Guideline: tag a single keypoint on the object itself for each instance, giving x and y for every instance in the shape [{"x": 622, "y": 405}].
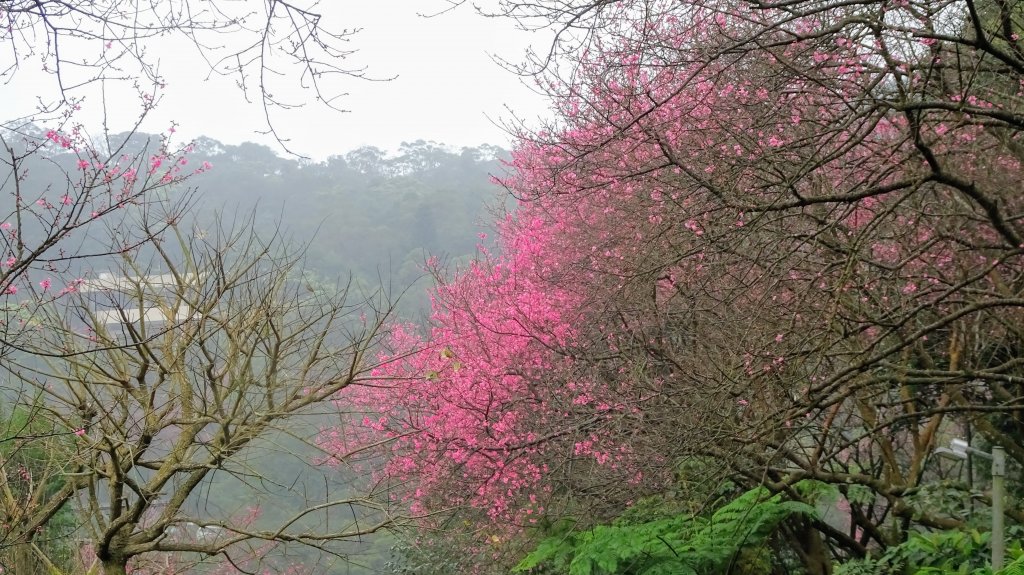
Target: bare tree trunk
[
  {"x": 24, "y": 560},
  {"x": 816, "y": 556},
  {"x": 115, "y": 566}
]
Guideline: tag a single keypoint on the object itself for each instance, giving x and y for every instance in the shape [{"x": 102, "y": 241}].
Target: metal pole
[{"x": 998, "y": 491}]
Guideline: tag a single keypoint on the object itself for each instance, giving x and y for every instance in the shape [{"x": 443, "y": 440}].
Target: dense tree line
[
  {"x": 366, "y": 212},
  {"x": 374, "y": 215}
]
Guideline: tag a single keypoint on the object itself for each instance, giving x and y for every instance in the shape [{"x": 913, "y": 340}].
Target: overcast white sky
[{"x": 447, "y": 87}]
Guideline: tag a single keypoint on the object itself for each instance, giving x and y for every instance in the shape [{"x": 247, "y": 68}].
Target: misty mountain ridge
[{"x": 367, "y": 214}]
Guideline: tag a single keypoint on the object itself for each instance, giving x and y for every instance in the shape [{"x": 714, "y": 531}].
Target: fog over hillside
[{"x": 367, "y": 214}]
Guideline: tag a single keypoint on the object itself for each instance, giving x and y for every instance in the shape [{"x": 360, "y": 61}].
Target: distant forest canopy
[{"x": 372, "y": 214}]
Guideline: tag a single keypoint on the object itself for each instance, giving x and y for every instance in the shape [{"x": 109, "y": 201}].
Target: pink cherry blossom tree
[{"x": 783, "y": 238}]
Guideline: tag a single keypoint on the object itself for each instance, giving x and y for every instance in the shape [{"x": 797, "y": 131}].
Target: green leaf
[{"x": 680, "y": 544}]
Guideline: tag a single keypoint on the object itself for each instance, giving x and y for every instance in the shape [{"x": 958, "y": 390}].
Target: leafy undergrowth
[{"x": 678, "y": 545}]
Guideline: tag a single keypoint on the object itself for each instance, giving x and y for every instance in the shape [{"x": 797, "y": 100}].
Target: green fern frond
[
  {"x": 1014, "y": 568},
  {"x": 679, "y": 545}
]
